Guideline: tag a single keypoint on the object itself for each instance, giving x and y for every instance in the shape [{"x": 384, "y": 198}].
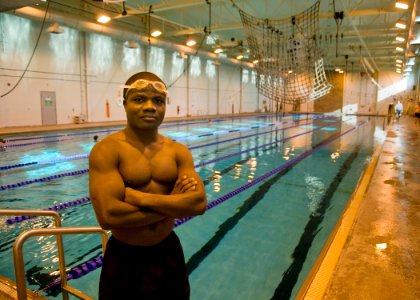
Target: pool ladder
[{"x": 58, "y": 231}]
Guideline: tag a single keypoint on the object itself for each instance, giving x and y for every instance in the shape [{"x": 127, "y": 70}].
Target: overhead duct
[{"x": 9, "y": 5}]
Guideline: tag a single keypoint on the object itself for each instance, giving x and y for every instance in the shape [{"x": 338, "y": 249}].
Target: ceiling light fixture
[
  {"x": 132, "y": 45},
  {"x": 182, "y": 55},
  {"x": 401, "y": 24},
  {"x": 399, "y": 61},
  {"x": 240, "y": 56},
  {"x": 55, "y": 28},
  {"x": 103, "y": 19},
  {"x": 218, "y": 50},
  {"x": 156, "y": 33},
  {"x": 401, "y": 4},
  {"x": 255, "y": 62},
  {"x": 400, "y": 38},
  {"x": 191, "y": 42},
  {"x": 399, "y": 49}
]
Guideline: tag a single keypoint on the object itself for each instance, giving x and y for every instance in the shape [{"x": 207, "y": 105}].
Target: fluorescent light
[
  {"x": 381, "y": 246},
  {"x": 399, "y": 61},
  {"x": 255, "y": 62},
  {"x": 156, "y": 33},
  {"x": 240, "y": 56},
  {"x": 398, "y": 65},
  {"x": 218, "y": 50},
  {"x": 191, "y": 43},
  {"x": 401, "y": 24},
  {"x": 103, "y": 19},
  {"x": 401, "y": 4},
  {"x": 400, "y": 38},
  {"x": 399, "y": 49}
]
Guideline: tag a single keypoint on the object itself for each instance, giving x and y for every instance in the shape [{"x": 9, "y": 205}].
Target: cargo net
[{"x": 290, "y": 68}]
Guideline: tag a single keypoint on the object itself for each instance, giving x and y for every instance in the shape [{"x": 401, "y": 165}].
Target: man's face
[{"x": 145, "y": 107}]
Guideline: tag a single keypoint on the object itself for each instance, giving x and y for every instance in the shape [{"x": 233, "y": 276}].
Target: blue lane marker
[
  {"x": 329, "y": 128},
  {"x": 309, "y": 126}
]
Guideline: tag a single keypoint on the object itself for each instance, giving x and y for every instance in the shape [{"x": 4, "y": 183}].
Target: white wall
[
  {"x": 363, "y": 96},
  {"x": 87, "y": 70},
  {"x": 360, "y": 94},
  {"x": 54, "y": 67}
]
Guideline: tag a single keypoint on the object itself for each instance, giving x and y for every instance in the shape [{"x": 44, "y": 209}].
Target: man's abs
[{"x": 145, "y": 235}]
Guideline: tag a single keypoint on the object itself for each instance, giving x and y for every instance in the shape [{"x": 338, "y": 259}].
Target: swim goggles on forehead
[{"x": 143, "y": 83}]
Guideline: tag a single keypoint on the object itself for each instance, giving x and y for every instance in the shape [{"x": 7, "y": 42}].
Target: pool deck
[
  {"x": 5, "y": 131},
  {"x": 380, "y": 256}
]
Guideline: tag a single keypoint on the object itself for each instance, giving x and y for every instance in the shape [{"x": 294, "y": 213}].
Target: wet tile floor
[{"x": 381, "y": 258}]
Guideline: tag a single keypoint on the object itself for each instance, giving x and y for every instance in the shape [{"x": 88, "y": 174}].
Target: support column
[
  {"x": 188, "y": 85},
  {"x": 240, "y": 89},
  {"x": 84, "y": 103}
]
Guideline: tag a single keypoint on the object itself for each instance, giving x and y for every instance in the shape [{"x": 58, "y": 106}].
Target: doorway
[{"x": 48, "y": 108}]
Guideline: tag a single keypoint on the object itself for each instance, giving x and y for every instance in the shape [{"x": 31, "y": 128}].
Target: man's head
[
  {"x": 141, "y": 80},
  {"x": 145, "y": 101}
]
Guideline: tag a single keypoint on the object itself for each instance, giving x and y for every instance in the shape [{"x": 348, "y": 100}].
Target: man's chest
[{"x": 142, "y": 168}]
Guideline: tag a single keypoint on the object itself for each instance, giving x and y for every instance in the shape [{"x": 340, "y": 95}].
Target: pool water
[{"x": 276, "y": 187}]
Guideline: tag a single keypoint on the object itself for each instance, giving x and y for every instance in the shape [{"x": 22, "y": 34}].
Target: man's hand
[{"x": 184, "y": 185}]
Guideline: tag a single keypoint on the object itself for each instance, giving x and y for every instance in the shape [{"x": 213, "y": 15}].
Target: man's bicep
[
  {"x": 186, "y": 167},
  {"x": 185, "y": 162},
  {"x": 105, "y": 182}
]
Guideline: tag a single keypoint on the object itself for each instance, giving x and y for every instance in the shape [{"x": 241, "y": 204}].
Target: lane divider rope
[
  {"x": 83, "y": 269},
  {"x": 78, "y": 172}
]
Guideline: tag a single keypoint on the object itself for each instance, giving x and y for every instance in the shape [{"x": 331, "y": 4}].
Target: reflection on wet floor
[{"x": 381, "y": 259}]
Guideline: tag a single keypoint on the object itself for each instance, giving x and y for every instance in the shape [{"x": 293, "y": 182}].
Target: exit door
[{"x": 48, "y": 108}]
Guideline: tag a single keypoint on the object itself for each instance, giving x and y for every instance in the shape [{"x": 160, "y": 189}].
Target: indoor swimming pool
[{"x": 276, "y": 187}]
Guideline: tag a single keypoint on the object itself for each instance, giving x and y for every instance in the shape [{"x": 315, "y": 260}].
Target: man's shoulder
[
  {"x": 173, "y": 143},
  {"x": 109, "y": 143}
]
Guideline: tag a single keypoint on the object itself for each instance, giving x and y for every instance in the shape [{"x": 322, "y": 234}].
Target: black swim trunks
[{"x": 155, "y": 272}]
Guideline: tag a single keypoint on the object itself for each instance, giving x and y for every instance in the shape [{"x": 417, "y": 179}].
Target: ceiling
[{"x": 366, "y": 28}]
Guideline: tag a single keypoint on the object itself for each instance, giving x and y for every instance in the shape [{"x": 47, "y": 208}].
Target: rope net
[{"x": 290, "y": 68}]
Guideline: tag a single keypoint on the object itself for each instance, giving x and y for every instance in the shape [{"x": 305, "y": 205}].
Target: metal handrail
[
  {"x": 45, "y": 213},
  {"x": 18, "y": 256},
  {"x": 18, "y": 245}
]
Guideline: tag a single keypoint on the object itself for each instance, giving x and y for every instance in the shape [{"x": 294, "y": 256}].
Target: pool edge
[{"x": 317, "y": 281}]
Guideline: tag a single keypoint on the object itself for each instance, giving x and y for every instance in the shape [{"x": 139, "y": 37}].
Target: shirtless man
[{"x": 140, "y": 181}]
